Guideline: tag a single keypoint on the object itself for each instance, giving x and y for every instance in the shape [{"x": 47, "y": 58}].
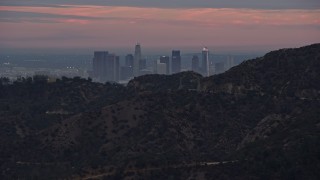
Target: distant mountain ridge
[{"x": 258, "y": 120}]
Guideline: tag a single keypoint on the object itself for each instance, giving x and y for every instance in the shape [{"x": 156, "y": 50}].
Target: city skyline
[
  {"x": 109, "y": 24},
  {"x": 107, "y": 67}
]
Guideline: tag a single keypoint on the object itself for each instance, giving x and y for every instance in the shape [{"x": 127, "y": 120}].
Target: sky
[{"x": 222, "y": 25}]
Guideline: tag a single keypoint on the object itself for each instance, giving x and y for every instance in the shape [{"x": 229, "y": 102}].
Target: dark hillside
[
  {"x": 184, "y": 80},
  {"x": 286, "y": 72},
  {"x": 259, "y": 120}
]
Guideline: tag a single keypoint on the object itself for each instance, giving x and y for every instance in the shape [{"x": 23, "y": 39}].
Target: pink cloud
[
  {"x": 201, "y": 16},
  {"x": 123, "y": 25}
]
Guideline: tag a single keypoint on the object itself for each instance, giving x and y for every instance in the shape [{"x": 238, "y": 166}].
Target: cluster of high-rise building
[{"x": 106, "y": 66}]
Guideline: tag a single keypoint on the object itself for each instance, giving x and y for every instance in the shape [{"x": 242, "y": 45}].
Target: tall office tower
[
  {"x": 160, "y": 67},
  {"x": 128, "y": 65},
  {"x": 195, "y": 63},
  {"x": 175, "y": 62},
  {"x": 112, "y": 68},
  {"x": 129, "y": 60},
  {"x": 99, "y": 64},
  {"x": 137, "y": 58},
  {"x": 165, "y": 59},
  {"x": 205, "y": 62},
  {"x": 117, "y": 69}
]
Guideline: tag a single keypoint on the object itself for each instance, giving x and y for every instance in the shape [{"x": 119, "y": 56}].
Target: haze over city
[{"x": 224, "y": 26}]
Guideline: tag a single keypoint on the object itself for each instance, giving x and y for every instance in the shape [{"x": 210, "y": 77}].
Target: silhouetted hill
[
  {"x": 155, "y": 82},
  {"x": 259, "y": 120},
  {"x": 286, "y": 72}
]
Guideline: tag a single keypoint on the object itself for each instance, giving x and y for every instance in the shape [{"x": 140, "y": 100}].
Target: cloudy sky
[{"x": 103, "y": 24}]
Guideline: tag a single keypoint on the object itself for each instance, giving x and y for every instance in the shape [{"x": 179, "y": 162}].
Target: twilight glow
[{"x": 96, "y": 26}]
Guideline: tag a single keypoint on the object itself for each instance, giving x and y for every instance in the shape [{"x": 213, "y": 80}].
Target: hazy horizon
[{"x": 152, "y": 50}]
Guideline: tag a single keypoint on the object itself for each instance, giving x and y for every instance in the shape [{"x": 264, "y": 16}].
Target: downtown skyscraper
[
  {"x": 129, "y": 60},
  {"x": 106, "y": 66},
  {"x": 99, "y": 59},
  {"x": 166, "y": 60},
  {"x": 175, "y": 62},
  {"x": 112, "y": 67},
  {"x": 195, "y": 64},
  {"x": 205, "y": 62},
  {"x": 136, "y": 61}
]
